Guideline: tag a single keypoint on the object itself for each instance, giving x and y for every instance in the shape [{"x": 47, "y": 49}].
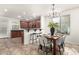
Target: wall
[
  {"x": 10, "y": 23},
  {"x": 44, "y": 24},
  {"x": 74, "y": 23}
]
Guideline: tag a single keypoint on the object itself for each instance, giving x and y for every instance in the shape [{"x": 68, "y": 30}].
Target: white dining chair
[{"x": 60, "y": 43}]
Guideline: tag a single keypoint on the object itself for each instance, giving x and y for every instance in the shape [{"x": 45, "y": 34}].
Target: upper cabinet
[
  {"x": 24, "y": 24},
  {"x": 35, "y": 23}
]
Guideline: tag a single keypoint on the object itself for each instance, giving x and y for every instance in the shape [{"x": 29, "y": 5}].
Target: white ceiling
[{"x": 28, "y": 10}]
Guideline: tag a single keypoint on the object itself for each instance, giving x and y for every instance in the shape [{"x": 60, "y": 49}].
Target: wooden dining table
[{"x": 53, "y": 39}]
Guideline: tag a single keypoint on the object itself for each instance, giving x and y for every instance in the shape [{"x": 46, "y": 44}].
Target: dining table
[{"x": 53, "y": 39}]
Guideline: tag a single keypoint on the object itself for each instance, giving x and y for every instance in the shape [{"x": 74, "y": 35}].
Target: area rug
[{"x": 70, "y": 51}]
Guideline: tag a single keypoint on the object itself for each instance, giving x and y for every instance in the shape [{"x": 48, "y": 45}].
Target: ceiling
[{"x": 29, "y": 10}]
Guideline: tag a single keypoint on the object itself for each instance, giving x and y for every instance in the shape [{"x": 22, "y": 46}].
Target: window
[
  {"x": 3, "y": 26},
  {"x": 57, "y": 20},
  {"x": 65, "y": 24}
]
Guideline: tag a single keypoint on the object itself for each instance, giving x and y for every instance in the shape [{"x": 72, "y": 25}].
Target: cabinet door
[
  {"x": 24, "y": 24},
  {"x": 38, "y": 24},
  {"x": 14, "y": 34},
  {"x": 30, "y": 24}
]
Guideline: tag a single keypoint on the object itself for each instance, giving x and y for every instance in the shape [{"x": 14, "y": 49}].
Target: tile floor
[{"x": 14, "y": 47}]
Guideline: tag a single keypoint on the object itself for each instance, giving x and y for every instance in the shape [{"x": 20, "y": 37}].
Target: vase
[{"x": 52, "y": 30}]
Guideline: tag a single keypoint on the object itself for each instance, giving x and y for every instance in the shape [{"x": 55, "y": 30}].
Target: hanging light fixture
[
  {"x": 53, "y": 13},
  {"x": 53, "y": 10}
]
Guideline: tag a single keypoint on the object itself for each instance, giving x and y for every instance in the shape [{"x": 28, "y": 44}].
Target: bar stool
[{"x": 33, "y": 37}]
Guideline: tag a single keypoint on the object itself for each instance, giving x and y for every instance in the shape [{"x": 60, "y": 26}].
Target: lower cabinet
[{"x": 18, "y": 33}]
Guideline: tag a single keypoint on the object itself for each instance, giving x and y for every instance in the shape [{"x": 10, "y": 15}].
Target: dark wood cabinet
[
  {"x": 30, "y": 24},
  {"x": 18, "y": 33},
  {"x": 37, "y": 24},
  {"x": 24, "y": 24}
]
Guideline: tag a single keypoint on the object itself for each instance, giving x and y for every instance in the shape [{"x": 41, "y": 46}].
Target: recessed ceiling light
[{"x": 5, "y": 10}]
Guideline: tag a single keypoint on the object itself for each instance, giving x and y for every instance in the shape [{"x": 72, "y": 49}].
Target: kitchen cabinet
[{"x": 18, "y": 33}]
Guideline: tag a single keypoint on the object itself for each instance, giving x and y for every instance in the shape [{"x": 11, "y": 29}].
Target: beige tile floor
[{"x": 14, "y": 47}]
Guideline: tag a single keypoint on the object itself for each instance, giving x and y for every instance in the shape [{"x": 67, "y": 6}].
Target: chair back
[
  {"x": 61, "y": 40},
  {"x": 44, "y": 41}
]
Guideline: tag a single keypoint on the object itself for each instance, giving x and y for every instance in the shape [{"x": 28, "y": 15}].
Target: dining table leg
[{"x": 54, "y": 47}]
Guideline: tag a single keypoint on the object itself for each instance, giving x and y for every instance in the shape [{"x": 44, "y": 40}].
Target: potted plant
[{"x": 52, "y": 27}]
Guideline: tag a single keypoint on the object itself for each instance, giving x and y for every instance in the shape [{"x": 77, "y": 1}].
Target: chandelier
[{"x": 53, "y": 12}]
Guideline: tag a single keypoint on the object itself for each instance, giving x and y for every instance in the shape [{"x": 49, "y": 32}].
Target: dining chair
[
  {"x": 60, "y": 43},
  {"x": 45, "y": 45}
]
